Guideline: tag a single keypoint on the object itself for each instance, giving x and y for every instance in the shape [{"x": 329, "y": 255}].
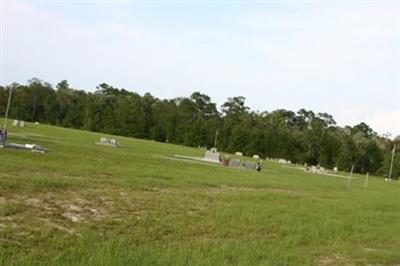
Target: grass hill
[{"x": 85, "y": 204}]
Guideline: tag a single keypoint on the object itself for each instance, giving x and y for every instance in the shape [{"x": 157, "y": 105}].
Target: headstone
[
  {"x": 22, "y": 123},
  {"x": 256, "y": 156},
  {"x": 250, "y": 165},
  {"x": 335, "y": 169},
  {"x": 282, "y": 161},
  {"x": 212, "y": 155},
  {"x": 234, "y": 163},
  {"x": 107, "y": 141},
  {"x": 238, "y": 153},
  {"x": 314, "y": 169},
  {"x": 15, "y": 123}
]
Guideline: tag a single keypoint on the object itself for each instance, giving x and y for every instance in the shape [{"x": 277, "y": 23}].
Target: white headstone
[
  {"x": 256, "y": 156},
  {"x": 15, "y": 123},
  {"x": 22, "y": 123},
  {"x": 238, "y": 153},
  {"x": 282, "y": 161},
  {"x": 212, "y": 155}
]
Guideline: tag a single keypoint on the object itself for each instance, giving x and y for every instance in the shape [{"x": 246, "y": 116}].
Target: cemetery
[
  {"x": 83, "y": 205},
  {"x": 199, "y": 133},
  {"x": 77, "y": 200}
]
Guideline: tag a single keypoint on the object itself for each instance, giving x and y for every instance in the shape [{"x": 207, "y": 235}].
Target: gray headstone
[
  {"x": 234, "y": 163},
  {"x": 250, "y": 165}
]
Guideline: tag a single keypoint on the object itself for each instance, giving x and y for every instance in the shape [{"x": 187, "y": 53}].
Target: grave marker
[
  {"x": 109, "y": 142},
  {"x": 212, "y": 155},
  {"x": 250, "y": 165}
]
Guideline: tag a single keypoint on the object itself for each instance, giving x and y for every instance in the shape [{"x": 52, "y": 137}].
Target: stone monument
[{"x": 212, "y": 155}]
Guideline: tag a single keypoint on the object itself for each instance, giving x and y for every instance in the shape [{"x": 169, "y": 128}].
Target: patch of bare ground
[
  {"x": 78, "y": 207},
  {"x": 57, "y": 211},
  {"x": 70, "y": 207}
]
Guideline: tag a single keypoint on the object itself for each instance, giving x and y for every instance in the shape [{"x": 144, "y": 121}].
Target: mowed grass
[{"x": 85, "y": 204}]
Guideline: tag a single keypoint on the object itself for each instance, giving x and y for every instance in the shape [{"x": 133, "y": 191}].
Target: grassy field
[{"x": 85, "y": 204}]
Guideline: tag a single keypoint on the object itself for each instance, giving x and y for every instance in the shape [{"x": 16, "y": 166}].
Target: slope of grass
[{"x": 84, "y": 204}]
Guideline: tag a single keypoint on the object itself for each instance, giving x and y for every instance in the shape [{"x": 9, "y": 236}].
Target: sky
[{"x": 339, "y": 57}]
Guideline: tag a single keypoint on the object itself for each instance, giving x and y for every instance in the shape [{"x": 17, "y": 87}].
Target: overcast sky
[{"x": 337, "y": 57}]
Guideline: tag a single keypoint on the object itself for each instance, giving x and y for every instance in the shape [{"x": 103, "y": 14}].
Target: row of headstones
[
  {"x": 318, "y": 169},
  {"x": 18, "y": 123},
  {"x": 314, "y": 169},
  {"x": 250, "y": 165},
  {"x": 279, "y": 160}
]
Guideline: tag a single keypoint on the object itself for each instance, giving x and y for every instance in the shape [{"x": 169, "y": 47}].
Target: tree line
[{"x": 302, "y": 136}]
